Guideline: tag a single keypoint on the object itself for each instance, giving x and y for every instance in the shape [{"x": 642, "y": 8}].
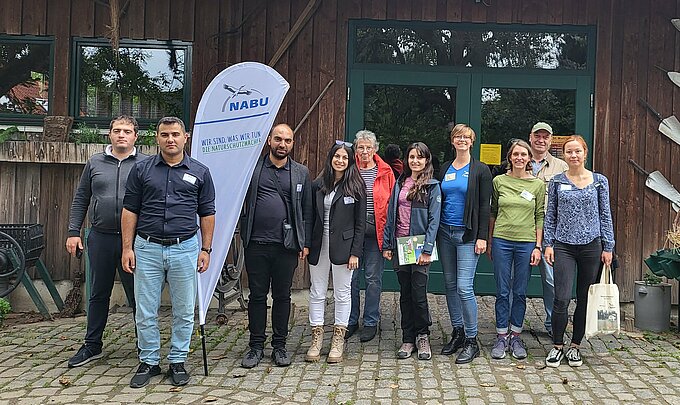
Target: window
[
  {"x": 25, "y": 71},
  {"x": 148, "y": 80},
  {"x": 471, "y": 46}
]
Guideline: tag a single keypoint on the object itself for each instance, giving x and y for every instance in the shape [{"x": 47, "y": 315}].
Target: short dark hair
[
  {"x": 125, "y": 118},
  {"x": 392, "y": 152},
  {"x": 170, "y": 121}
]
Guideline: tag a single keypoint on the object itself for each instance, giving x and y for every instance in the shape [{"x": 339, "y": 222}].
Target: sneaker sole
[
  {"x": 312, "y": 359},
  {"x": 404, "y": 355},
  {"x": 334, "y": 360},
  {"x": 576, "y": 363},
  {"x": 553, "y": 364},
  {"x": 424, "y": 356},
  {"x": 89, "y": 359},
  {"x": 497, "y": 357},
  {"x": 519, "y": 357},
  {"x": 145, "y": 383}
]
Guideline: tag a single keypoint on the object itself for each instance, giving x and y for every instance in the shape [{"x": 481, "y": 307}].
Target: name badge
[
  {"x": 189, "y": 178},
  {"x": 450, "y": 177},
  {"x": 298, "y": 188},
  {"x": 526, "y": 195},
  {"x": 349, "y": 200},
  {"x": 565, "y": 187}
]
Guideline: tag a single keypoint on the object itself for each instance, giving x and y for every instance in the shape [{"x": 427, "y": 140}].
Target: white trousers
[{"x": 342, "y": 283}]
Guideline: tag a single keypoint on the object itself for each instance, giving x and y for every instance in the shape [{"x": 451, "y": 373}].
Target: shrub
[{"x": 5, "y": 309}]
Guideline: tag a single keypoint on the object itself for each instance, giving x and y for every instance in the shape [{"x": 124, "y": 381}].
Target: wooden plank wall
[{"x": 632, "y": 37}]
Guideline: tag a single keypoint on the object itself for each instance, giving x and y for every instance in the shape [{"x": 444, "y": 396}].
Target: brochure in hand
[{"x": 410, "y": 247}]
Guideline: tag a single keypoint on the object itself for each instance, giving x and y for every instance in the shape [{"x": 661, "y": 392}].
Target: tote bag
[{"x": 602, "y": 314}]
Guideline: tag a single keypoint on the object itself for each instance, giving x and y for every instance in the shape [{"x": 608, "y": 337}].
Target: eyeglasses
[
  {"x": 347, "y": 144},
  {"x": 461, "y": 137},
  {"x": 365, "y": 148}
]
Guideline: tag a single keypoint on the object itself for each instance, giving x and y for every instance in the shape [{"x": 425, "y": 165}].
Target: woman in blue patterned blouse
[{"x": 578, "y": 238}]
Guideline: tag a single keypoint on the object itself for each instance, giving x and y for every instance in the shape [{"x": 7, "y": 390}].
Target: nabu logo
[{"x": 237, "y": 100}]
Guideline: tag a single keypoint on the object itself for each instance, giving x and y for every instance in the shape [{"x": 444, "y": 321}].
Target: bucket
[{"x": 652, "y": 306}]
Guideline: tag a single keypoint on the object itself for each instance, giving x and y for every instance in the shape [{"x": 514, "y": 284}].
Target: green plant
[
  {"x": 86, "y": 134},
  {"x": 7, "y": 133},
  {"x": 148, "y": 137},
  {"x": 651, "y": 278},
  {"x": 5, "y": 309}
]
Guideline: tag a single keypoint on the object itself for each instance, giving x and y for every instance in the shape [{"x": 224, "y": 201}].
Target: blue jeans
[
  {"x": 371, "y": 266},
  {"x": 156, "y": 264},
  {"x": 507, "y": 254},
  {"x": 459, "y": 263},
  {"x": 548, "y": 281}
]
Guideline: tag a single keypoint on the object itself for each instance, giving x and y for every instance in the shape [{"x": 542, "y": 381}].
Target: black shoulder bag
[{"x": 288, "y": 231}]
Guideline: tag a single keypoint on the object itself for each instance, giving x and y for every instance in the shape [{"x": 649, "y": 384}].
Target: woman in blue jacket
[{"x": 414, "y": 210}]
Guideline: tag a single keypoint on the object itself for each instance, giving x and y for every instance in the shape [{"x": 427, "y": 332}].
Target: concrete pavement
[{"x": 633, "y": 368}]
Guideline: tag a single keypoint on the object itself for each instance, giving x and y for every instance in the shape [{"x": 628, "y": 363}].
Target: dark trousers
[
  {"x": 415, "y": 313},
  {"x": 269, "y": 265},
  {"x": 583, "y": 261},
  {"x": 104, "y": 251}
]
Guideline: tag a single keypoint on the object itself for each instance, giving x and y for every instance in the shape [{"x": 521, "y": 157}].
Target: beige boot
[
  {"x": 314, "y": 352},
  {"x": 337, "y": 344}
]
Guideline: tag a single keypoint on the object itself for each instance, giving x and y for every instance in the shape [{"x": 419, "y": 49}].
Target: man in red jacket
[{"x": 379, "y": 182}]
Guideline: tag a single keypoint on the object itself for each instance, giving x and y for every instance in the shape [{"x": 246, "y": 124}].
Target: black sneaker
[
  {"x": 144, "y": 374},
  {"x": 85, "y": 355},
  {"x": 368, "y": 333},
  {"x": 554, "y": 358},
  {"x": 178, "y": 375},
  {"x": 252, "y": 358},
  {"x": 457, "y": 341},
  {"x": 469, "y": 352},
  {"x": 351, "y": 330},
  {"x": 573, "y": 356},
  {"x": 281, "y": 357}
]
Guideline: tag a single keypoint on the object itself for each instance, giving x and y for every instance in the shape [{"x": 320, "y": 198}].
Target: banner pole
[{"x": 205, "y": 354}]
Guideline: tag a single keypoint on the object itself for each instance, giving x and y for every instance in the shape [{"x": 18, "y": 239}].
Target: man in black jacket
[
  {"x": 276, "y": 229},
  {"x": 101, "y": 191}
]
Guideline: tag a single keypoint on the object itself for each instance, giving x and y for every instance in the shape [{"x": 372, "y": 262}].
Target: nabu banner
[{"x": 233, "y": 120}]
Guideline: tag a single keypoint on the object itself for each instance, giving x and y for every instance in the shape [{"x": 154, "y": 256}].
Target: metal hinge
[
  {"x": 347, "y": 93},
  {"x": 592, "y": 100}
]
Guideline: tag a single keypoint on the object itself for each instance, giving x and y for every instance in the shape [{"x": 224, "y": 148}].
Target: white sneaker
[
  {"x": 555, "y": 357},
  {"x": 573, "y": 355}
]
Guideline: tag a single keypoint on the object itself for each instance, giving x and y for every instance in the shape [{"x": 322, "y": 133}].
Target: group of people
[{"x": 345, "y": 223}]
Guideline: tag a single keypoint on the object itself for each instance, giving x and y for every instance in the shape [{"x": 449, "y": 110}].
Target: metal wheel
[{"x": 12, "y": 264}]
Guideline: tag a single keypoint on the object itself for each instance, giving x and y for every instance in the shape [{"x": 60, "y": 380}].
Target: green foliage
[
  {"x": 5, "y": 309},
  {"x": 7, "y": 133},
  {"x": 147, "y": 137},
  {"x": 86, "y": 134},
  {"x": 651, "y": 279}
]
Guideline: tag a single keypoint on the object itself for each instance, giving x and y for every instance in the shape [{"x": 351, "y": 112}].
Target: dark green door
[{"x": 403, "y": 107}]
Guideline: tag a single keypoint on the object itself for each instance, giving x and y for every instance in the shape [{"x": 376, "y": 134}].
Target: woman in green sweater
[{"x": 516, "y": 225}]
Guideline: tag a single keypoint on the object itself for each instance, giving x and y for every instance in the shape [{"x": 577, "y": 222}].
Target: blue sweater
[{"x": 578, "y": 216}]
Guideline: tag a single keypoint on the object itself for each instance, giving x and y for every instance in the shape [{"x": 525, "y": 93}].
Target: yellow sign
[{"x": 490, "y": 153}]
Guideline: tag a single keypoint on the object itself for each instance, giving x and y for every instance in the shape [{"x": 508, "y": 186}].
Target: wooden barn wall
[{"x": 633, "y": 36}]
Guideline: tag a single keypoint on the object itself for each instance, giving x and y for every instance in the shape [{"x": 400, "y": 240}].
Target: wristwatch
[{"x": 207, "y": 250}]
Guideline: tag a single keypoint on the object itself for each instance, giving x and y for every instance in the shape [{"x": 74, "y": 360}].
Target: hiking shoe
[
  {"x": 252, "y": 358},
  {"x": 469, "y": 352},
  {"x": 500, "y": 347},
  {"x": 554, "y": 357},
  {"x": 573, "y": 356},
  {"x": 368, "y": 333},
  {"x": 280, "y": 357},
  {"x": 85, "y": 355},
  {"x": 144, "y": 374},
  {"x": 351, "y": 329},
  {"x": 178, "y": 375},
  {"x": 423, "y": 345},
  {"x": 517, "y": 347},
  {"x": 405, "y": 350},
  {"x": 457, "y": 341},
  {"x": 314, "y": 352}
]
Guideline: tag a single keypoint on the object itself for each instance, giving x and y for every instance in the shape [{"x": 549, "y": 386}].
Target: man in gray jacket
[
  {"x": 101, "y": 191},
  {"x": 276, "y": 229}
]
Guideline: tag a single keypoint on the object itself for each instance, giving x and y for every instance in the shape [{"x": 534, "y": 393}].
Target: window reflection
[
  {"x": 24, "y": 77},
  {"x": 494, "y": 49},
  {"x": 145, "y": 83}
]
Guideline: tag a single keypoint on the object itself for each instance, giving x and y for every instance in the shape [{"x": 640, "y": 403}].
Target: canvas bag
[{"x": 603, "y": 313}]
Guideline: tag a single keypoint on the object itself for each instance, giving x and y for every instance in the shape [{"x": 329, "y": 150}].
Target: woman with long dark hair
[
  {"x": 337, "y": 244},
  {"x": 413, "y": 210},
  {"x": 516, "y": 225},
  {"x": 579, "y": 237}
]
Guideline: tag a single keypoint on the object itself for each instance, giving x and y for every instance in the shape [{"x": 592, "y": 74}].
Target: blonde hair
[{"x": 462, "y": 129}]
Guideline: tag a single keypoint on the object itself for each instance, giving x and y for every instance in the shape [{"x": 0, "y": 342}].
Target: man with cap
[{"x": 545, "y": 166}]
